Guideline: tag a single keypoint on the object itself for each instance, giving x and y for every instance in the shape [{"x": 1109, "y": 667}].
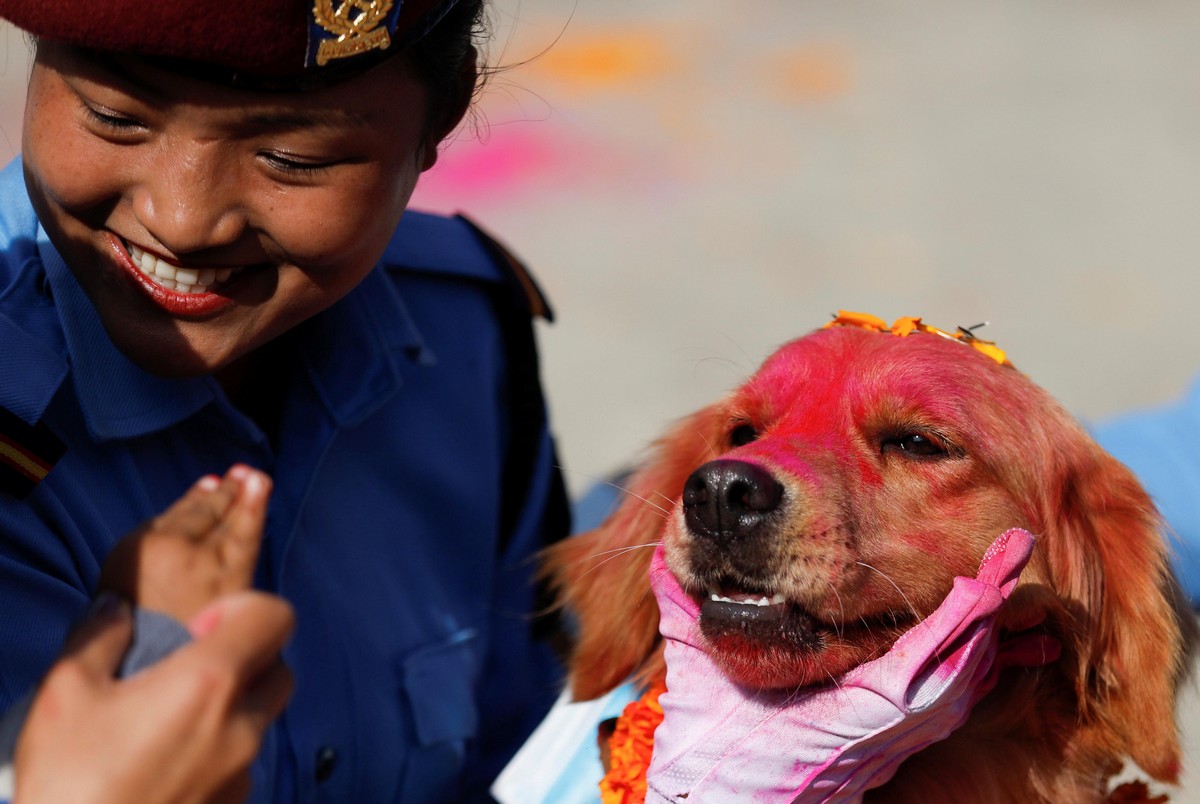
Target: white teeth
[
  {"x": 180, "y": 280},
  {"x": 187, "y": 276},
  {"x": 748, "y": 600}
]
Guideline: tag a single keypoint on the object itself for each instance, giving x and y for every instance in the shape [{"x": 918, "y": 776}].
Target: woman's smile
[{"x": 178, "y": 289}]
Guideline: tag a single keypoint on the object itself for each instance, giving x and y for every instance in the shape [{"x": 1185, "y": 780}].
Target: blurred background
[{"x": 695, "y": 182}]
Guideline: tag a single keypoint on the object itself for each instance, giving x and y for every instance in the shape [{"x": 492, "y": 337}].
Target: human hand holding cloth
[{"x": 722, "y": 742}]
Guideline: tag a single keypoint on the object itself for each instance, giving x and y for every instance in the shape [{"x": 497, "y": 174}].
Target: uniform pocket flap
[{"x": 440, "y": 684}]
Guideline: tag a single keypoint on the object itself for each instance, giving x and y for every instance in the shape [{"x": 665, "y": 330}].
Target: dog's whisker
[
  {"x": 837, "y": 624},
  {"x": 833, "y": 680},
  {"x": 908, "y": 603},
  {"x": 667, "y": 499},
  {"x": 666, "y": 512},
  {"x": 618, "y": 553},
  {"x": 712, "y": 449},
  {"x": 842, "y": 691},
  {"x": 623, "y": 489},
  {"x": 626, "y": 548},
  {"x": 794, "y": 695},
  {"x": 647, "y": 594}
]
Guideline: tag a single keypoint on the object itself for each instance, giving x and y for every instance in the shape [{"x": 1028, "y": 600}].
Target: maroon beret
[{"x": 268, "y": 39}]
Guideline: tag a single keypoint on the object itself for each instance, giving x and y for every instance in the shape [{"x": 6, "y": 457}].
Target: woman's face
[{"x": 203, "y": 221}]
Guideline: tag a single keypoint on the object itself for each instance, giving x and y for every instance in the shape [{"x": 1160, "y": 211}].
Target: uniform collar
[
  {"x": 118, "y": 399},
  {"x": 31, "y": 364},
  {"x": 352, "y": 353}
]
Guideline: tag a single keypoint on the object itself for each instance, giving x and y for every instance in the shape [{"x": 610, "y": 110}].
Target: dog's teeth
[{"x": 748, "y": 600}]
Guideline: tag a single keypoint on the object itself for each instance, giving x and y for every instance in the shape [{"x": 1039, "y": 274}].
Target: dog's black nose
[{"x": 727, "y": 499}]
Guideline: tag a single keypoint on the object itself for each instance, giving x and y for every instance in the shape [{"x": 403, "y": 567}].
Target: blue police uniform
[{"x": 414, "y": 477}]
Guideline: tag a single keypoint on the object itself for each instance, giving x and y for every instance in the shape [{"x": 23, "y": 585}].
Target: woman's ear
[{"x": 453, "y": 111}]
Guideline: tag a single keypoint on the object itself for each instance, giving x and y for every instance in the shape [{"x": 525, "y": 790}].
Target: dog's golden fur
[{"x": 900, "y": 459}]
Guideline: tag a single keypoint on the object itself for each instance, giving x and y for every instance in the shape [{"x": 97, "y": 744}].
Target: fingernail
[
  {"x": 253, "y": 484},
  {"x": 209, "y": 482}
]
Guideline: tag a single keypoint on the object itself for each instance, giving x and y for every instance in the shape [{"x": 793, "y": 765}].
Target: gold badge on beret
[{"x": 354, "y": 26}]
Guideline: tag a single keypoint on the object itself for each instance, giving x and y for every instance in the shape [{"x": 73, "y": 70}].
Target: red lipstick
[{"x": 187, "y": 305}]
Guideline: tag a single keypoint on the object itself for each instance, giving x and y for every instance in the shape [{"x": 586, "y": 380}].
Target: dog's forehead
[{"x": 850, "y": 364}]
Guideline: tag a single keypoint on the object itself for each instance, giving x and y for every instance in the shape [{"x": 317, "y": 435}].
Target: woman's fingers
[
  {"x": 200, "y": 509},
  {"x": 238, "y": 534},
  {"x": 203, "y": 546},
  {"x": 185, "y": 729}
]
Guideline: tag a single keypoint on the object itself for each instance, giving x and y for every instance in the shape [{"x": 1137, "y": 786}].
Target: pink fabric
[{"x": 719, "y": 742}]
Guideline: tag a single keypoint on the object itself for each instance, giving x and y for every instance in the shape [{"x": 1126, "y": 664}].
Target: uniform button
[{"x": 326, "y": 760}]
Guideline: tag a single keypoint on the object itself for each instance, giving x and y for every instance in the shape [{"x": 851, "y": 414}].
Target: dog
[{"x": 825, "y": 507}]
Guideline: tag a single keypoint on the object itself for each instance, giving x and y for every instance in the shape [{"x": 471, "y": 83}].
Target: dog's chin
[{"x": 782, "y": 647}]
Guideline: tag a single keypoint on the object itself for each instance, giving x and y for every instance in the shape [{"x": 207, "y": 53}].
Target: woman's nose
[{"x": 189, "y": 200}]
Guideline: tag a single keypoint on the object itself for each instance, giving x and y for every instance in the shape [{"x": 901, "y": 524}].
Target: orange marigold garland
[{"x": 631, "y": 745}]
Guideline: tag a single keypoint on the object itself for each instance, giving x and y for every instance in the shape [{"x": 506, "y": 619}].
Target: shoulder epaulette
[
  {"x": 27, "y": 454},
  {"x": 517, "y": 272}
]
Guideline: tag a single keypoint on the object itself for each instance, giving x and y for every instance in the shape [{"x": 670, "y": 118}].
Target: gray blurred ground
[{"x": 696, "y": 182}]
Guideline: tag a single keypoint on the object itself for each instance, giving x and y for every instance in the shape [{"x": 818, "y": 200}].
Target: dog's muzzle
[{"x": 729, "y": 500}]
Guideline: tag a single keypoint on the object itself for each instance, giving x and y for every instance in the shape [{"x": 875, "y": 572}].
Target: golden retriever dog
[{"x": 847, "y": 483}]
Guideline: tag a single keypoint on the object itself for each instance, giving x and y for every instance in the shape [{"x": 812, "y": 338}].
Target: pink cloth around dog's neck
[{"x": 720, "y": 742}]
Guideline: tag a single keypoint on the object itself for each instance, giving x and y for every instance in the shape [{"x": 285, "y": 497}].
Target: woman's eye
[
  {"x": 916, "y": 445},
  {"x": 742, "y": 435},
  {"x": 290, "y": 163},
  {"x": 112, "y": 120}
]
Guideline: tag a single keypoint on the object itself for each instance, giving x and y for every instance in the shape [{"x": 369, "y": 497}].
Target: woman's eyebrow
[{"x": 308, "y": 118}]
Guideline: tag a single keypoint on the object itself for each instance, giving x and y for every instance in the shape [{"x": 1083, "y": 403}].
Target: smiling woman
[
  {"x": 206, "y": 260},
  {"x": 291, "y": 200}
]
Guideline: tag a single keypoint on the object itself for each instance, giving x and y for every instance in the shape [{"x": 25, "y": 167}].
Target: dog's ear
[
  {"x": 602, "y": 577},
  {"x": 1110, "y": 562}
]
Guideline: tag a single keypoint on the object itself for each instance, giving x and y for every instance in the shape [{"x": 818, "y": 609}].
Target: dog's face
[
  {"x": 855, "y": 476},
  {"x": 826, "y": 506}
]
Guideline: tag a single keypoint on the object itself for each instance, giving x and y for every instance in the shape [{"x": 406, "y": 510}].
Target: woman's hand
[
  {"x": 720, "y": 742},
  {"x": 184, "y": 730},
  {"x": 202, "y": 547}
]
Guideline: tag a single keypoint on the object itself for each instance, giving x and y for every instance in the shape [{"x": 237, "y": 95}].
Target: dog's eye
[
  {"x": 742, "y": 435},
  {"x": 917, "y": 445}
]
